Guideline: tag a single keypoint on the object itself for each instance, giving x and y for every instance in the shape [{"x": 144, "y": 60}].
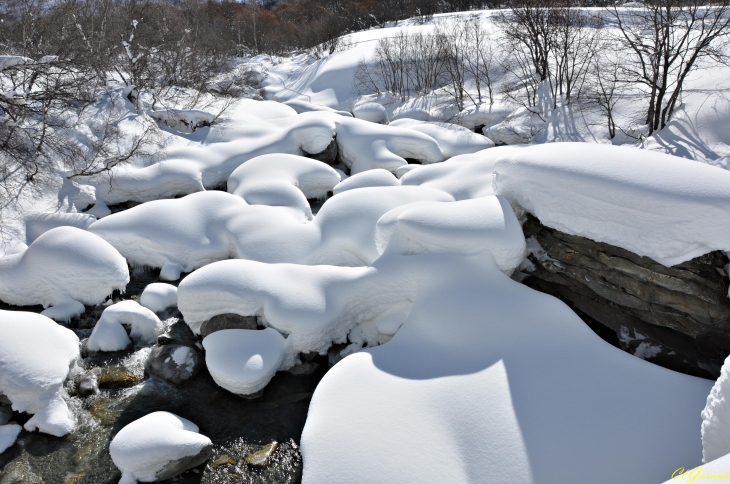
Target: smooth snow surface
[
  {"x": 453, "y": 139},
  {"x": 490, "y": 381},
  {"x": 158, "y": 296},
  {"x": 243, "y": 361},
  {"x": 37, "y": 225},
  {"x": 373, "y": 112},
  {"x": 283, "y": 180},
  {"x": 142, "y": 449},
  {"x": 716, "y": 418},
  {"x": 205, "y": 227},
  {"x": 652, "y": 204},
  {"x": 109, "y": 333},
  {"x": 370, "y": 178},
  {"x": 35, "y": 356},
  {"x": 64, "y": 263},
  {"x": 8, "y": 434}
]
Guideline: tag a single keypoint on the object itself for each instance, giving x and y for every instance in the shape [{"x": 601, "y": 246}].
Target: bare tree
[{"x": 667, "y": 40}]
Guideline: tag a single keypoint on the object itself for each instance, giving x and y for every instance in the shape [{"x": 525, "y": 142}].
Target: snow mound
[
  {"x": 8, "y": 434},
  {"x": 37, "y": 225},
  {"x": 183, "y": 120},
  {"x": 501, "y": 382},
  {"x": 35, "y": 356},
  {"x": 243, "y": 361},
  {"x": 64, "y": 263},
  {"x": 453, "y": 139},
  {"x": 370, "y": 178},
  {"x": 304, "y": 107},
  {"x": 144, "y": 449},
  {"x": 158, "y": 296},
  {"x": 464, "y": 227},
  {"x": 201, "y": 228},
  {"x": 283, "y": 180},
  {"x": 716, "y": 418},
  {"x": 373, "y": 112},
  {"x": 463, "y": 176},
  {"x": 656, "y": 205},
  {"x": 109, "y": 333}
]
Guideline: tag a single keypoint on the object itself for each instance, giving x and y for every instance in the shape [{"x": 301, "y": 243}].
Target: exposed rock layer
[{"x": 677, "y": 317}]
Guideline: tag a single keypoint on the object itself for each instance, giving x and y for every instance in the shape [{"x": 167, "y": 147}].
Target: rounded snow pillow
[{"x": 373, "y": 112}]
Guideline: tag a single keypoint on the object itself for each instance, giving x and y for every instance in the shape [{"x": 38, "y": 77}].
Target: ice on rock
[
  {"x": 656, "y": 205},
  {"x": 243, "y": 361},
  {"x": 64, "y": 266},
  {"x": 453, "y": 139},
  {"x": 716, "y": 418},
  {"x": 464, "y": 227},
  {"x": 283, "y": 180},
  {"x": 35, "y": 356},
  {"x": 36, "y": 225},
  {"x": 370, "y": 111},
  {"x": 205, "y": 227},
  {"x": 158, "y": 296},
  {"x": 109, "y": 333},
  {"x": 371, "y": 178},
  {"x": 158, "y": 446},
  {"x": 8, "y": 434}
]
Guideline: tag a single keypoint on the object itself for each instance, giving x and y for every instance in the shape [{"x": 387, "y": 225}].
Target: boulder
[
  {"x": 227, "y": 321},
  {"x": 174, "y": 363}
]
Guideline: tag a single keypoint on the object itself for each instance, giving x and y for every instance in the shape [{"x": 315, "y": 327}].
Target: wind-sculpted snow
[
  {"x": 652, "y": 204},
  {"x": 109, "y": 333},
  {"x": 201, "y": 228},
  {"x": 35, "y": 356},
  {"x": 255, "y": 128},
  {"x": 157, "y": 445},
  {"x": 453, "y": 139},
  {"x": 319, "y": 305},
  {"x": 283, "y": 180},
  {"x": 490, "y": 381},
  {"x": 716, "y": 418},
  {"x": 63, "y": 266},
  {"x": 371, "y": 178}
]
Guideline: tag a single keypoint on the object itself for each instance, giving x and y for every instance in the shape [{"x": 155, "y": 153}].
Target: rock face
[
  {"x": 677, "y": 317},
  {"x": 227, "y": 321}
]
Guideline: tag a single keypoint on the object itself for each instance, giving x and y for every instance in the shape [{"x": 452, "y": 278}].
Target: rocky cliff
[{"x": 677, "y": 317}]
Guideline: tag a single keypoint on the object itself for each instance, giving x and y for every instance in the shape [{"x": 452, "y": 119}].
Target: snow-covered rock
[
  {"x": 716, "y": 418},
  {"x": 660, "y": 206},
  {"x": 463, "y": 176},
  {"x": 371, "y": 178},
  {"x": 369, "y": 111},
  {"x": 158, "y": 296},
  {"x": 158, "y": 446},
  {"x": 453, "y": 139},
  {"x": 304, "y": 107},
  {"x": 201, "y": 228},
  {"x": 63, "y": 264},
  {"x": 174, "y": 363},
  {"x": 36, "y": 225},
  {"x": 183, "y": 120},
  {"x": 35, "y": 357},
  {"x": 283, "y": 180},
  {"x": 243, "y": 361},
  {"x": 109, "y": 333}
]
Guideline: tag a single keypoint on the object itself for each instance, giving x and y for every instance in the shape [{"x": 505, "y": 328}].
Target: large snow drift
[
  {"x": 656, "y": 205},
  {"x": 201, "y": 228},
  {"x": 35, "y": 356},
  {"x": 149, "y": 448},
  {"x": 63, "y": 264}
]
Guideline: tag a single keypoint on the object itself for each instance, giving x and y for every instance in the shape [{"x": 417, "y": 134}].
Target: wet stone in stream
[{"x": 237, "y": 426}]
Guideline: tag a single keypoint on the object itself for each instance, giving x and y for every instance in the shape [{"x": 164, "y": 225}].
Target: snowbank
[
  {"x": 656, "y": 205},
  {"x": 304, "y": 107},
  {"x": 109, "y": 333},
  {"x": 716, "y": 418},
  {"x": 35, "y": 356},
  {"x": 373, "y": 112},
  {"x": 453, "y": 139},
  {"x": 463, "y": 176},
  {"x": 243, "y": 361},
  {"x": 158, "y": 296},
  {"x": 283, "y": 180},
  {"x": 64, "y": 264},
  {"x": 158, "y": 446},
  {"x": 370, "y": 178},
  {"x": 201, "y": 228}
]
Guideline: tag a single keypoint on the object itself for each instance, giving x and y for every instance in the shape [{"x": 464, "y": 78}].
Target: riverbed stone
[
  {"x": 227, "y": 321},
  {"x": 174, "y": 363}
]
